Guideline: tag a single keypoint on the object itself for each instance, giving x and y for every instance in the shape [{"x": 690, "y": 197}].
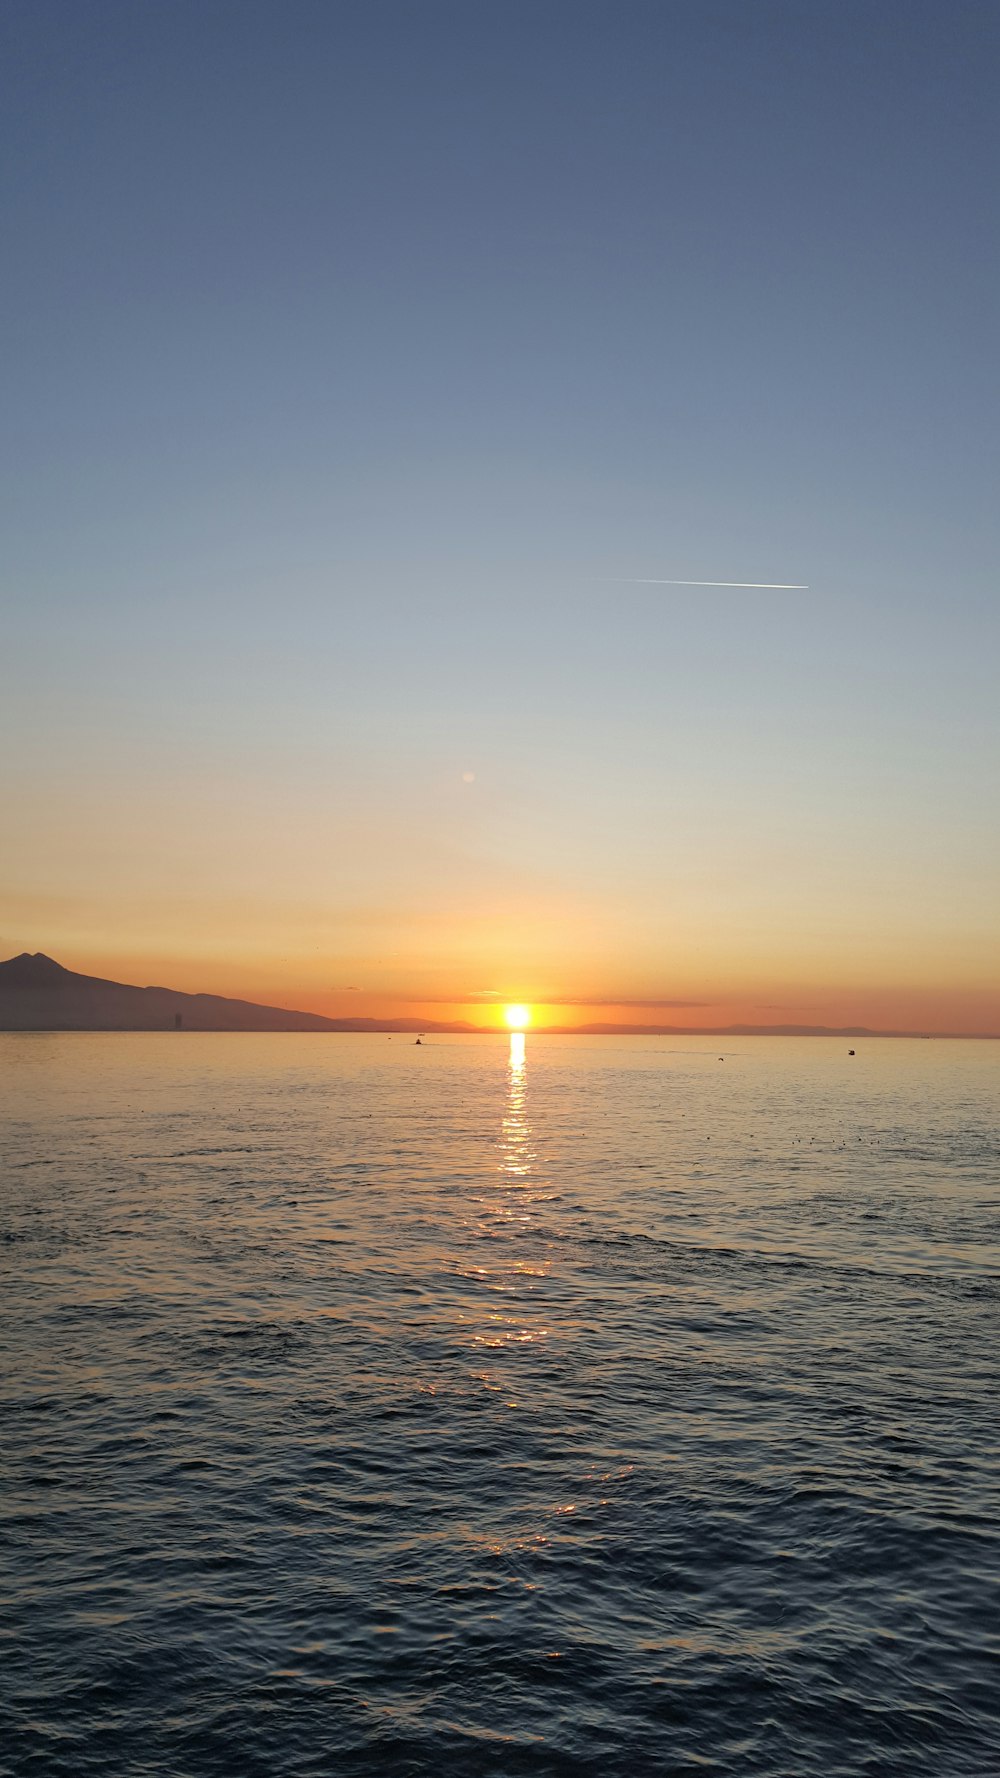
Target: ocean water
[{"x": 580, "y": 1406}]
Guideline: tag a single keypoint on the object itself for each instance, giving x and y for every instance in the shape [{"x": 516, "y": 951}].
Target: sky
[{"x": 366, "y": 366}]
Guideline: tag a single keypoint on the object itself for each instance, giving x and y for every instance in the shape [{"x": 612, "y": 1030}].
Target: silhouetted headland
[{"x": 38, "y": 994}]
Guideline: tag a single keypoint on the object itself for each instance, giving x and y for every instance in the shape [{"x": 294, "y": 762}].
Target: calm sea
[{"x": 585, "y": 1406}]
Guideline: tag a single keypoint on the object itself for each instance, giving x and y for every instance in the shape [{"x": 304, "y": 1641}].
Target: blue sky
[{"x": 356, "y": 357}]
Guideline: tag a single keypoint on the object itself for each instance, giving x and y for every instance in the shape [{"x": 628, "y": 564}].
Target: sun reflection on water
[
  {"x": 510, "y": 1316},
  {"x": 516, "y": 1155}
]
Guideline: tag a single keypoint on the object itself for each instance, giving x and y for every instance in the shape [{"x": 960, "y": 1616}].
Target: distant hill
[{"x": 38, "y": 994}]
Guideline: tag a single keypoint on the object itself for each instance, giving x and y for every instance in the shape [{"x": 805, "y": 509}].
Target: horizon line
[{"x": 323, "y": 1023}]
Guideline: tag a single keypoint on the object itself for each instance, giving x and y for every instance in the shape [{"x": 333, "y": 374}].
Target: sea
[{"x": 497, "y": 1406}]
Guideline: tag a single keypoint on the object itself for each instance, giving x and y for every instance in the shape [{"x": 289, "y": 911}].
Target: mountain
[{"x": 38, "y": 994}]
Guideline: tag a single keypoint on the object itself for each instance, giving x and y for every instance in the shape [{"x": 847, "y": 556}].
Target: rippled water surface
[{"x": 597, "y": 1406}]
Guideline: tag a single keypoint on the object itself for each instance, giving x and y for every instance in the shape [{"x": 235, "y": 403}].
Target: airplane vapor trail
[{"x": 760, "y": 586}]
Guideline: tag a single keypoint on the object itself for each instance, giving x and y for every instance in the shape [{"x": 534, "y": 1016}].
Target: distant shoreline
[
  {"x": 38, "y": 994},
  {"x": 490, "y": 1031}
]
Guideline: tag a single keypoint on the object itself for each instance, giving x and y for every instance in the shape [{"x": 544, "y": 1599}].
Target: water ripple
[{"x": 573, "y": 1409}]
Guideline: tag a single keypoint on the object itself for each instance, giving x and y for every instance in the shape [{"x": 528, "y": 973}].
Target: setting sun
[{"x": 517, "y": 1017}]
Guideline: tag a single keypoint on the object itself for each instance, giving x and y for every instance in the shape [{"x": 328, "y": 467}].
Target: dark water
[{"x": 610, "y": 1409}]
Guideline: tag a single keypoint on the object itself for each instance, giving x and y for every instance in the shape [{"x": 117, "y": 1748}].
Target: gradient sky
[{"x": 358, "y": 356}]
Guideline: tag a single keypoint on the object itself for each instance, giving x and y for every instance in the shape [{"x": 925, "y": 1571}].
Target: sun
[{"x": 517, "y": 1017}]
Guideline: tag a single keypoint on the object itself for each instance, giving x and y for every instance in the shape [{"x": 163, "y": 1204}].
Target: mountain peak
[{"x": 32, "y": 968}]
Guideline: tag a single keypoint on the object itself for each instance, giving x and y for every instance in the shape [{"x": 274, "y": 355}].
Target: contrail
[{"x": 757, "y": 586}]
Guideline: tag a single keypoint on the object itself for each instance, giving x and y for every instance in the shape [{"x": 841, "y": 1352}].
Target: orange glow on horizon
[{"x": 343, "y": 983}]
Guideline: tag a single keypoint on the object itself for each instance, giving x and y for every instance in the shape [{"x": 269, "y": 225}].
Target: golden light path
[{"x": 517, "y": 1017}]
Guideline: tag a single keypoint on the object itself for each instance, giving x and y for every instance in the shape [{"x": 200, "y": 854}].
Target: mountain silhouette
[{"x": 38, "y": 994}]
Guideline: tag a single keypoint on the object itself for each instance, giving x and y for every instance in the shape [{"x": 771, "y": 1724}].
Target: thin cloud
[
  {"x": 757, "y": 586},
  {"x": 456, "y": 999},
  {"x": 553, "y": 1000},
  {"x": 563, "y": 1000}
]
